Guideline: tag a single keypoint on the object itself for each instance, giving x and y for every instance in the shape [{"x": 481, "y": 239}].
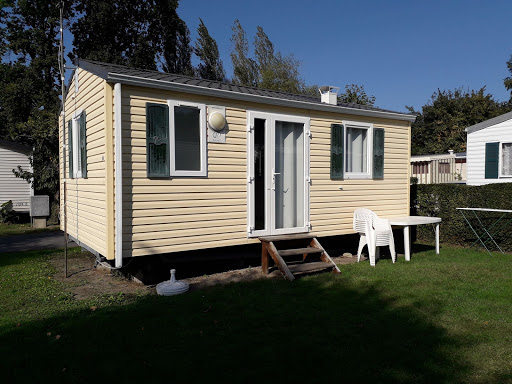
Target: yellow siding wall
[
  {"x": 331, "y": 209},
  {"x": 86, "y": 198},
  {"x": 170, "y": 215}
]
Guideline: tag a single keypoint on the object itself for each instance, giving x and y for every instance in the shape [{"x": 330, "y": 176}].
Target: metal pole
[{"x": 64, "y": 148}]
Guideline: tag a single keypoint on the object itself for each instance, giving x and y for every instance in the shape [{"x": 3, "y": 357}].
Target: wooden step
[
  {"x": 295, "y": 236},
  {"x": 300, "y": 251},
  {"x": 309, "y": 267},
  {"x": 288, "y": 269}
]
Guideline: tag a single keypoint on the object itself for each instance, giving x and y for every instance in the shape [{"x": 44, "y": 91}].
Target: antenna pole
[{"x": 64, "y": 148}]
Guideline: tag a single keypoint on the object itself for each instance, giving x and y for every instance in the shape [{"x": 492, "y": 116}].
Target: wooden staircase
[{"x": 303, "y": 254}]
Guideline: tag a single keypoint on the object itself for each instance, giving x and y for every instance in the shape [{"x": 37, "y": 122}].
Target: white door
[{"x": 278, "y": 174}]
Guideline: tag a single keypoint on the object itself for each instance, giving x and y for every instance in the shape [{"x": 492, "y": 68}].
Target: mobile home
[
  {"x": 13, "y": 188},
  {"x": 489, "y": 151},
  {"x": 155, "y": 163}
]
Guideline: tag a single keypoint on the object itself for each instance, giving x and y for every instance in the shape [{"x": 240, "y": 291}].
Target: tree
[
  {"x": 245, "y": 70},
  {"x": 30, "y": 86},
  {"x": 206, "y": 49},
  {"x": 440, "y": 125},
  {"x": 147, "y": 34},
  {"x": 356, "y": 94},
  {"x": 275, "y": 71},
  {"x": 508, "y": 80},
  {"x": 270, "y": 70}
]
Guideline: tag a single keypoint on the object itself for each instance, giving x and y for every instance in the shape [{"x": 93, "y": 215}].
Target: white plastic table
[
  {"x": 406, "y": 222},
  {"x": 487, "y": 232}
]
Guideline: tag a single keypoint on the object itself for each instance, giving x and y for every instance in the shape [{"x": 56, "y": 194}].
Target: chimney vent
[{"x": 329, "y": 94}]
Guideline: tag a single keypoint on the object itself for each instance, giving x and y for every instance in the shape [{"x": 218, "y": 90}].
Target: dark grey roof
[
  {"x": 155, "y": 79},
  {"x": 490, "y": 122},
  {"x": 15, "y": 146}
]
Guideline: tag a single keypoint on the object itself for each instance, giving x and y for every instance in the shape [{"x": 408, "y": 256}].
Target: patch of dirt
[
  {"x": 248, "y": 274},
  {"x": 85, "y": 280}
]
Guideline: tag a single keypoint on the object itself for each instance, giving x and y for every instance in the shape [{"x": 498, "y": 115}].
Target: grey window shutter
[
  {"x": 83, "y": 144},
  {"x": 337, "y": 146},
  {"x": 378, "y": 153},
  {"x": 70, "y": 148},
  {"x": 492, "y": 151},
  {"x": 157, "y": 140}
]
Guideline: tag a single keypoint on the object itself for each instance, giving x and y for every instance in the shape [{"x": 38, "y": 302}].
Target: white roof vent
[{"x": 329, "y": 94}]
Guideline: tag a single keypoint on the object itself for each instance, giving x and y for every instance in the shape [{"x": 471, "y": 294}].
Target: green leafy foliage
[
  {"x": 245, "y": 69},
  {"x": 275, "y": 71},
  {"x": 30, "y": 86},
  {"x": 146, "y": 34},
  {"x": 356, "y": 94},
  {"x": 269, "y": 70},
  {"x": 440, "y": 125},
  {"x": 206, "y": 49},
  {"x": 441, "y": 200},
  {"x": 508, "y": 80}
]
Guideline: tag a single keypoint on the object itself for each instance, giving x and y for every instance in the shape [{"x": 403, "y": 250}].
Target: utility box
[{"x": 39, "y": 210}]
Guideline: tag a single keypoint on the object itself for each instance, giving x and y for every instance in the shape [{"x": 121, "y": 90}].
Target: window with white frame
[
  {"x": 506, "y": 159},
  {"x": 176, "y": 139},
  {"x": 187, "y": 139},
  {"x": 77, "y": 145},
  {"x": 358, "y": 144}
]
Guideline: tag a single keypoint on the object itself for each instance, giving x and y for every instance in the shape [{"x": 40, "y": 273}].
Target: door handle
[{"x": 274, "y": 174}]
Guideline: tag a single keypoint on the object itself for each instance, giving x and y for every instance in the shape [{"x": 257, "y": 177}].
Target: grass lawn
[
  {"x": 21, "y": 229},
  {"x": 436, "y": 319}
]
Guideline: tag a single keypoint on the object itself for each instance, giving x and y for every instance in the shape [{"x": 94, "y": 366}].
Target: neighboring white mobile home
[
  {"x": 489, "y": 151},
  {"x": 159, "y": 163},
  {"x": 14, "y": 188}
]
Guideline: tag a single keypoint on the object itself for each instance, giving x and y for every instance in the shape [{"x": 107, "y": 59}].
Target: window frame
[
  {"x": 369, "y": 150},
  {"x": 77, "y": 171},
  {"x": 203, "y": 172},
  {"x": 500, "y": 160}
]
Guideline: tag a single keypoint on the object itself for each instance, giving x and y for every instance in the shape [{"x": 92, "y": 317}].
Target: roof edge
[
  {"x": 489, "y": 123},
  {"x": 195, "y": 89},
  {"x": 16, "y": 146}
]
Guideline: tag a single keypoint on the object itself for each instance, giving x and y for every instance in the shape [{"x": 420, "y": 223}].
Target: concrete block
[
  {"x": 39, "y": 222},
  {"x": 40, "y": 206}
]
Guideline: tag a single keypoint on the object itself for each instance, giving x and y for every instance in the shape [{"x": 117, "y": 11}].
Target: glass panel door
[
  {"x": 277, "y": 174},
  {"x": 288, "y": 176}
]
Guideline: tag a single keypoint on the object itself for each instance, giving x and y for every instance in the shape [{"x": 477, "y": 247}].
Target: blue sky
[{"x": 401, "y": 51}]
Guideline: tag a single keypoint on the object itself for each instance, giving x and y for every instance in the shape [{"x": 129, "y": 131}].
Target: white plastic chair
[{"x": 374, "y": 232}]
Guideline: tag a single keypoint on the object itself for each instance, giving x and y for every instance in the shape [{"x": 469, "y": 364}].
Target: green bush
[
  {"x": 441, "y": 200},
  {"x": 7, "y": 215}
]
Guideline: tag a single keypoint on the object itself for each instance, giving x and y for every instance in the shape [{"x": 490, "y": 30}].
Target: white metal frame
[
  {"x": 500, "y": 161},
  {"x": 203, "y": 144},
  {"x": 369, "y": 150},
  {"x": 270, "y": 212}
]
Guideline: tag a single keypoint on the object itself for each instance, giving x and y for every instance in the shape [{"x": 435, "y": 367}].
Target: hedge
[{"x": 441, "y": 200}]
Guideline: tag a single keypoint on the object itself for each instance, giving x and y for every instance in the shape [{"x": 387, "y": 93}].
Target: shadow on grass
[{"x": 317, "y": 328}]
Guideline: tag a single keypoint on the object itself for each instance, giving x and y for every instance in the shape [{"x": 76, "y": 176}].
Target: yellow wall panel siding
[
  {"x": 188, "y": 246},
  {"x": 177, "y": 214},
  {"x": 86, "y": 204},
  {"x": 145, "y": 224}
]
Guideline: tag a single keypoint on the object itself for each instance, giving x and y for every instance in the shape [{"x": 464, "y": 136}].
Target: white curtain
[
  {"x": 289, "y": 195},
  {"x": 357, "y": 149},
  {"x": 506, "y": 159}
]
